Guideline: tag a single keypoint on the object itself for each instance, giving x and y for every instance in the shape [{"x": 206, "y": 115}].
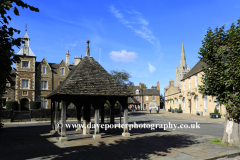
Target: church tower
[
  {"x": 25, "y": 78},
  {"x": 183, "y": 70}
]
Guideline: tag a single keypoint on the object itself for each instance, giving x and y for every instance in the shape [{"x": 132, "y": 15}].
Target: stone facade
[
  {"x": 190, "y": 97},
  {"x": 147, "y": 97},
  {"x": 34, "y": 80}
]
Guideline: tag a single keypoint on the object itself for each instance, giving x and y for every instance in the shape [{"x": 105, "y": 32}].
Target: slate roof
[
  {"x": 90, "y": 78},
  {"x": 55, "y": 65},
  {"x": 196, "y": 69},
  {"x": 20, "y": 52},
  {"x": 146, "y": 92},
  {"x": 132, "y": 100}
]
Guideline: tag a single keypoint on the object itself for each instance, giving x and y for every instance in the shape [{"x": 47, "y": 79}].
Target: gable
[{"x": 172, "y": 90}]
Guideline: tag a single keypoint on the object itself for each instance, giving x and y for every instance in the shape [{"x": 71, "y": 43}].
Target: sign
[{"x": 209, "y": 100}]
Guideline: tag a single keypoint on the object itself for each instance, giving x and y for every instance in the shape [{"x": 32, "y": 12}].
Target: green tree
[
  {"x": 7, "y": 42},
  {"x": 143, "y": 86},
  {"x": 154, "y": 87},
  {"x": 161, "y": 101},
  {"x": 220, "y": 51}
]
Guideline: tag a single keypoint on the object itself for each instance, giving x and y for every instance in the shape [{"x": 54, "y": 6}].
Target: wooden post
[
  {"x": 53, "y": 131},
  {"x": 56, "y": 116},
  {"x": 78, "y": 118},
  {"x": 102, "y": 114},
  {"x": 63, "y": 125}
]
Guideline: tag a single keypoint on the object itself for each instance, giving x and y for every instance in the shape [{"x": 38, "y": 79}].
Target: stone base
[
  {"x": 62, "y": 139},
  {"x": 97, "y": 136},
  {"x": 52, "y": 132},
  {"x": 112, "y": 130},
  {"x": 126, "y": 134},
  {"x": 78, "y": 129}
]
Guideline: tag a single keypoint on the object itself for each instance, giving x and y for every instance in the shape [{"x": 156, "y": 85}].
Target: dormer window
[
  {"x": 24, "y": 64},
  {"x": 137, "y": 91},
  {"x": 63, "y": 71},
  {"x": 44, "y": 70}
]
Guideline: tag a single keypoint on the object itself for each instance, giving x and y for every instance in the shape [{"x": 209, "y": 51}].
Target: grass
[{"x": 218, "y": 141}]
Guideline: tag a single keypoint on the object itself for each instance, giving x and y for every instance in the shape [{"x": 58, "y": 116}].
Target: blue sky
[{"x": 142, "y": 37}]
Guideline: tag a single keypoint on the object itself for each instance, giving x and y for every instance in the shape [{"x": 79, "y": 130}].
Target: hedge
[
  {"x": 12, "y": 105},
  {"x": 40, "y": 113},
  {"x": 4, "y": 114},
  {"x": 35, "y": 104}
]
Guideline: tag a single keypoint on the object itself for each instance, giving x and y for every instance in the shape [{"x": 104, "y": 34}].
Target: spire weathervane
[{"x": 26, "y": 27}]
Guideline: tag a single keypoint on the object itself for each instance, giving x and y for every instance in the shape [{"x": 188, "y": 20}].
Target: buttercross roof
[
  {"x": 197, "y": 68},
  {"x": 90, "y": 78},
  {"x": 20, "y": 52}
]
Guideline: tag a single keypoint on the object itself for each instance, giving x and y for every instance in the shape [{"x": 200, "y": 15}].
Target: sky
[{"x": 142, "y": 37}]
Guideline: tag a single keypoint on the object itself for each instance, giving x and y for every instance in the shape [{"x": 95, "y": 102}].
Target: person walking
[
  {"x": 157, "y": 109},
  {"x": 150, "y": 109}
]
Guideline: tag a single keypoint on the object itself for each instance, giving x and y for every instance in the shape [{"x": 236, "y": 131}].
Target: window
[
  {"x": 44, "y": 85},
  {"x": 24, "y": 64},
  {"x": 24, "y": 83},
  {"x": 189, "y": 80},
  {"x": 137, "y": 97},
  {"x": 146, "y": 98},
  {"x": 153, "y": 98},
  {"x": 43, "y": 102},
  {"x": 205, "y": 101},
  {"x": 44, "y": 70},
  {"x": 63, "y": 71},
  {"x": 183, "y": 85},
  {"x": 179, "y": 100},
  {"x": 60, "y": 82},
  {"x": 137, "y": 91},
  {"x": 196, "y": 81},
  {"x": 196, "y": 102},
  {"x": 176, "y": 101}
]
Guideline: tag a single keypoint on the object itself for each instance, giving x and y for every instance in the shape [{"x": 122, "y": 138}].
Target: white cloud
[
  {"x": 123, "y": 56},
  {"x": 151, "y": 68},
  {"x": 72, "y": 44},
  {"x": 139, "y": 27}
]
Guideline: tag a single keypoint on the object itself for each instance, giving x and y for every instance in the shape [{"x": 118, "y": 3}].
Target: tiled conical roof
[{"x": 90, "y": 78}]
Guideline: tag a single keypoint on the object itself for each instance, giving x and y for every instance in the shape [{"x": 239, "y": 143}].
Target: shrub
[
  {"x": 180, "y": 107},
  {"x": 71, "y": 113},
  {"x": 216, "y": 110},
  {"x": 41, "y": 113},
  {"x": 170, "y": 108},
  {"x": 35, "y": 104},
  {"x": 12, "y": 105},
  {"x": 6, "y": 114}
]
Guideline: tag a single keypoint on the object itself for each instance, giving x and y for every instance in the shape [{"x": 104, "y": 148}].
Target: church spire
[{"x": 183, "y": 63}]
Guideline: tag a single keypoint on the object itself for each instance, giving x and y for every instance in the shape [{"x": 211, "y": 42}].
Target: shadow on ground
[{"x": 36, "y": 142}]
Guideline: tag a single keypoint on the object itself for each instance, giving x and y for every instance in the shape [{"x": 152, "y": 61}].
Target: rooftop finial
[
  {"x": 88, "y": 49},
  {"x": 26, "y": 27}
]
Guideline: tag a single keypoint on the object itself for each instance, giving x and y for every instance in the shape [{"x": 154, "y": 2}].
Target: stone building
[
  {"x": 190, "y": 97},
  {"x": 147, "y": 97},
  {"x": 34, "y": 80}
]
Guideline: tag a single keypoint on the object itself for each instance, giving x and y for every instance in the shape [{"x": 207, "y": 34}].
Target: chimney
[
  {"x": 77, "y": 60},
  {"x": 67, "y": 57},
  {"x": 88, "y": 49},
  {"x": 171, "y": 83},
  {"x": 140, "y": 84},
  {"x": 158, "y": 87}
]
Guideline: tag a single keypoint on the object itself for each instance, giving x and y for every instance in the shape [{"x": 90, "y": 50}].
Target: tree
[
  {"x": 143, "y": 86},
  {"x": 7, "y": 42},
  {"x": 122, "y": 77},
  {"x": 154, "y": 87},
  {"x": 162, "y": 102},
  {"x": 220, "y": 51}
]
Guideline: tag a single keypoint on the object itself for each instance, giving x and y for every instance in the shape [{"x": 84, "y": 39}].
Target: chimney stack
[
  {"x": 67, "y": 57},
  {"x": 158, "y": 86},
  {"x": 140, "y": 85}
]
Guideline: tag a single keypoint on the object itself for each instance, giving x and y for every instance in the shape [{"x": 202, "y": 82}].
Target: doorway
[
  {"x": 24, "y": 104},
  {"x": 190, "y": 107}
]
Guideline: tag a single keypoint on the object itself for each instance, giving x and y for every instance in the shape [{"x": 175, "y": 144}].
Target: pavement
[{"x": 35, "y": 142}]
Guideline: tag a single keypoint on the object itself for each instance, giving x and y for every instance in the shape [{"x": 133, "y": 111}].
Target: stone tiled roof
[
  {"x": 146, "y": 92},
  {"x": 20, "y": 52},
  {"x": 132, "y": 100},
  {"x": 90, "y": 78},
  {"x": 196, "y": 69},
  {"x": 55, "y": 65}
]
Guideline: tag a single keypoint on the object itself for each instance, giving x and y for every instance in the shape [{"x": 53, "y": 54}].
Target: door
[
  {"x": 24, "y": 104},
  {"x": 190, "y": 107},
  {"x": 145, "y": 106}
]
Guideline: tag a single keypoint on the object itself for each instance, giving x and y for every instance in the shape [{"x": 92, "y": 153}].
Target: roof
[
  {"x": 196, "y": 69},
  {"x": 56, "y": 65},
  {"x": 90, "y": 78},
  {"x": 20, "y": 52},
  {"x": 132, "y": 100},
  {"x": 146, "y": 92}
]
